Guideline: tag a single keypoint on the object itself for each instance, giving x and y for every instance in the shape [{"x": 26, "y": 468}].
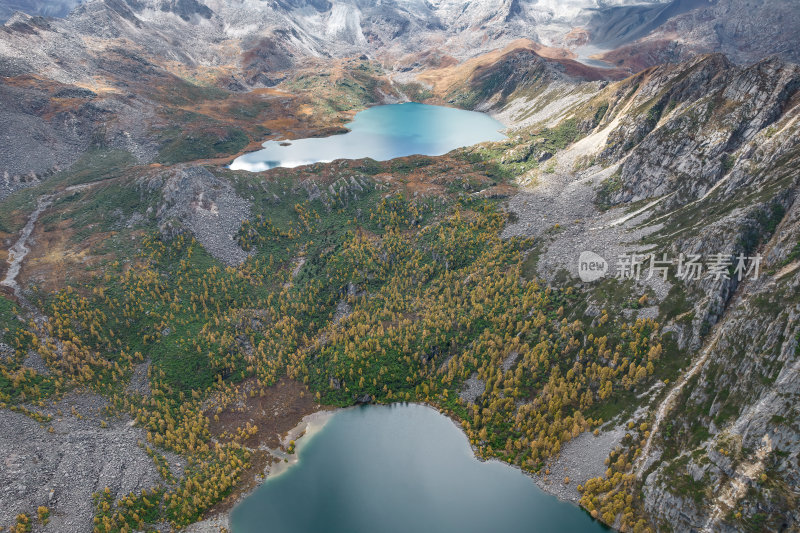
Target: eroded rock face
[
  {"x": 704, "y": 116},
  {"x": 33, "y": 145},
  {"x": 744, "y": 30},
  {"x": 752, "y": 386},
  {"x": 295, "y": 30},
  {"x": 751, "y": 374},
  {"x": 746, "y": 395},
  {"x": 48, "y": 125}
]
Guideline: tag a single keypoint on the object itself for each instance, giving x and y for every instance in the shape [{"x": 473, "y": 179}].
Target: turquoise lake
[
  {"x": 400, "y": 469},
  {"x": 382, "y": 133}
]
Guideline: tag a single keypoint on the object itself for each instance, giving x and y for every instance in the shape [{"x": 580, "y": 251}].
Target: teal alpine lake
[
  {"x": 382, "y": 133},
  {"x": 400, "y": 469}
]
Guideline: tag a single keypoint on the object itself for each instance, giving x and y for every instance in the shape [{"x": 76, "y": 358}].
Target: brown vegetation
[{"x": 279, "y": 409}]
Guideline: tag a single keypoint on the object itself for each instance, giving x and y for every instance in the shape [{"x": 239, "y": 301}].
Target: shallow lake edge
[{"x": 321, "y": 417}]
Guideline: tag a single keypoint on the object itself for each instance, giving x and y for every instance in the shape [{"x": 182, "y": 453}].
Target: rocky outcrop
[
  {"x": 205, "y": 205},
  {"x": 49, "y": 125},
  {"x": 339, "y": 193},
  {"x": 744, "y": 30},
  {"x": 745, "y": 395}
]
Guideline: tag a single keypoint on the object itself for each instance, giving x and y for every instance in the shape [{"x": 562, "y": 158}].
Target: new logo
[{"x": 591, "y": 266}]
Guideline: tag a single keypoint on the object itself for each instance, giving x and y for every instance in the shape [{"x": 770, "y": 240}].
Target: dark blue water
[
  {"x": 400, "y": 469},
  {"x": 382, "y": 133}
]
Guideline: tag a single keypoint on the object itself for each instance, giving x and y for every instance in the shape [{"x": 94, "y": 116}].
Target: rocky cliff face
[
  {"x": 697, "y": 158},
  {"x": 736, "y": 420},
  {"x": 703, "y": 114},
  {"x": 196, "y": 200},
  {"x": 731, "y": 427}
]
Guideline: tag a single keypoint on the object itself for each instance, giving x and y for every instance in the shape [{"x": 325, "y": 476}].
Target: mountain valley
[{"x": 166, "y": 320}]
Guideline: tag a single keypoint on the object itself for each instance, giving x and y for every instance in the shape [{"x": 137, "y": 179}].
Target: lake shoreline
[
  {"x": 381, "y": 132},
  {"x": 569, "y": 460},
  {"x": 308, "y": 426},
  {"x": 220, "y": 521}
]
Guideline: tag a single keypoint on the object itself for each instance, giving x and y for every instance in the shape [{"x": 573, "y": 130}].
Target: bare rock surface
[
  {"x": 581, "y": 458},
  {"x": 214, "y": 524},
  {"x": 208, "y": 207},
  {"x": 473, "y": 387},
  {"x": 62, "y": 469},
  {"x": 6, "y": 351},
  {"x": 140, "y": 382},
  {"x": 34, "y": 361}
]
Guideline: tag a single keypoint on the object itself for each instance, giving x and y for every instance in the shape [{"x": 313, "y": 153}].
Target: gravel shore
[{"x": 580, "y": 459}]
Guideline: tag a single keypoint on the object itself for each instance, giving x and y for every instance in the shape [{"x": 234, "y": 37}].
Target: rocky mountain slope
[
  {"x": 727, "y": 26},
  {"x": 707, "y": 173},
  {"x": 667, "y": 400},
  {"x": 743, "y": 30},
  {"x": 61, "y": 78},
  {"x": 53, "y": 8},
  {"x": 695, "y": 158}
]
